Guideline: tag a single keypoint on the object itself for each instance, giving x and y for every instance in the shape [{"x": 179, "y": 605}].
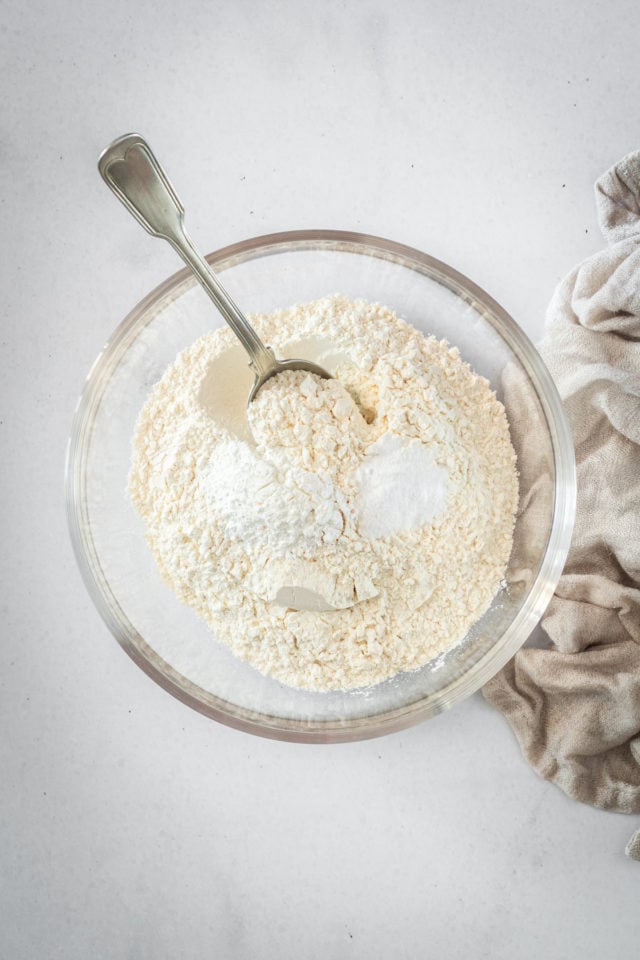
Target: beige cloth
[
  {"x": 575, "y": 708},
  {"x": 632, "y": 849}
]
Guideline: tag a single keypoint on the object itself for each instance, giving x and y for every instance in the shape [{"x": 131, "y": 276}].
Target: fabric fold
[{"x": 575, "y": 707}]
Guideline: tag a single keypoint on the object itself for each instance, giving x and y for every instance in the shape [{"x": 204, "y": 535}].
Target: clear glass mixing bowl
[{"x": 166, "y": 638}]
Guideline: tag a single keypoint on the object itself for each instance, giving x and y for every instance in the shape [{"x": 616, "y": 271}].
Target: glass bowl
[{"x": 166, "y": 638}]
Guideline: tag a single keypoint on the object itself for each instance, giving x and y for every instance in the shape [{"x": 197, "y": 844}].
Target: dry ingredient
[{"x": 380, "y": 502}]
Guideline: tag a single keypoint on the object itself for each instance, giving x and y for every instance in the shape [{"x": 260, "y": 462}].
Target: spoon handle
[{"x": 129, "y": 167}]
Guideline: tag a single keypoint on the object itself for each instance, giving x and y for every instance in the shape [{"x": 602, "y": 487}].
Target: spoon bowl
[{"x": 278, "y": 366}]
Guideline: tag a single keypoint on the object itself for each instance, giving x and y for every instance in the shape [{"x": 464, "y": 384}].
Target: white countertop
[{"x": 132, "y": 827}]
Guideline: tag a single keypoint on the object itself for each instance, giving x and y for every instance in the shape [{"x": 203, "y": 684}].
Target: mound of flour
[{"x": 353, "y": 528}]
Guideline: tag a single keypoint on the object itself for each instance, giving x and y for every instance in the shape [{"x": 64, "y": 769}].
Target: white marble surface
[{"x": 132, "y": 827}]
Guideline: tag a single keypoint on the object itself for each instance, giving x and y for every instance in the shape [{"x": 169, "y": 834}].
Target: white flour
[{"x": 382, "y": 502}]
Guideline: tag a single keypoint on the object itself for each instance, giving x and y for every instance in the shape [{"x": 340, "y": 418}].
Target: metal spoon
[{"x": 130, "y": 169}]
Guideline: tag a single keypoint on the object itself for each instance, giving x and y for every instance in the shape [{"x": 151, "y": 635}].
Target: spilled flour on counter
[{"x": 380, "y": 503}]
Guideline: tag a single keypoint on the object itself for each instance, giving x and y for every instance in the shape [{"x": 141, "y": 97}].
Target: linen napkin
[{"x": 575, "y": 707}]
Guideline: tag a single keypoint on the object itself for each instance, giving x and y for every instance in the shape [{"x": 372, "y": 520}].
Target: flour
[{"x": 381, "y": 502}]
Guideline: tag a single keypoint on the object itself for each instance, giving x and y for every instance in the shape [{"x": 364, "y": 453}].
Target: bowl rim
[{"x": 537, "y": 598}]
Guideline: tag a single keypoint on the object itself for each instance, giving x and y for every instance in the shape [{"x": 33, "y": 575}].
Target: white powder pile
[
  {"x": 357, "y": 527},
  {"x": 399, "y": 487}
]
